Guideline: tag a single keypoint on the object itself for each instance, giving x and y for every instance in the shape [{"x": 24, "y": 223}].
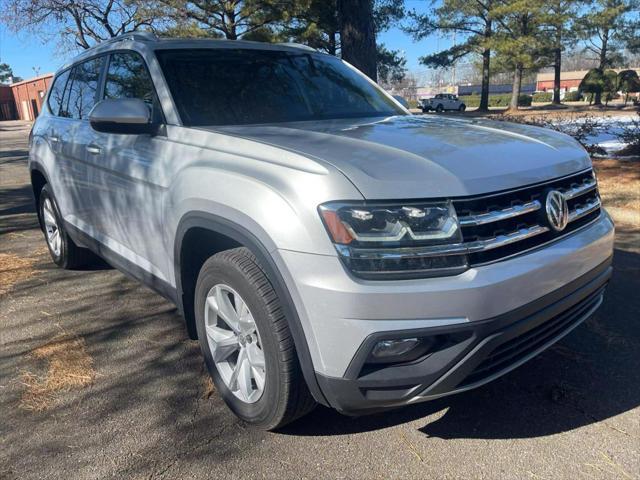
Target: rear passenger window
[
  {"x": 82, "y": 89},
  {"x": 57, "y": 92}
]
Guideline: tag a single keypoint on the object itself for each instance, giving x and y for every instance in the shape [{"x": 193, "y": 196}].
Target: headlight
[{"x": 406, "y": 240}]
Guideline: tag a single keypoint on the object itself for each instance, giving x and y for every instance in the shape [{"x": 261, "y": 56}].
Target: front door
[{"x": 129, "y": 190}]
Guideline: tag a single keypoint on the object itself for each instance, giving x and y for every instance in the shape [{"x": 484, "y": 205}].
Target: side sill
[{"x": 122, "y": 264}]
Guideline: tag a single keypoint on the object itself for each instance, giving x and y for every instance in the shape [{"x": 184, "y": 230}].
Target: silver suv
[{"x": 323, "y": 244}]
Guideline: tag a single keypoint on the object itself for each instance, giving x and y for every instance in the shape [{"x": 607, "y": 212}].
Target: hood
[{"x": 426, "y": 156}]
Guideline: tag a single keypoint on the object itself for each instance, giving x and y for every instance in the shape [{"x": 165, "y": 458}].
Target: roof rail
[
  {"x": 139, "y": 35},
  {"x": 296, "y": 45}
]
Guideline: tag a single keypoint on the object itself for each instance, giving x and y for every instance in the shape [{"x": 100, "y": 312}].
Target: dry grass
[
  {"x": 69, "y": 367},
  {"x": 209, "y": 388},
  {"x": 13, "y": 270},
  {"x": 619, "y": 185}
]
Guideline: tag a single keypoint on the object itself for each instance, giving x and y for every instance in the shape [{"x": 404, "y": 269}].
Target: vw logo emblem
[{"x": 557, "y": 210}]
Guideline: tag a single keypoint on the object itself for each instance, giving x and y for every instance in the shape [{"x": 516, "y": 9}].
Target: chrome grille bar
[
  {"x": 574, "y": 192},
  {"x": 583, "y": 210},
  {"x": 497, "y": 215},
  {"x": 506, "y": 239}
]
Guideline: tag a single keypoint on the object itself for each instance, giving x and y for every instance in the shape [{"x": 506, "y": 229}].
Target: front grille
[
  {"x": 505, "y": 224},
  {"x": 526, "y": 344}
]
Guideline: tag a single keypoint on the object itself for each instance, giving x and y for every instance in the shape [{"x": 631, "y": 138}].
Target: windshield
[{"x": 244, "y": 86}]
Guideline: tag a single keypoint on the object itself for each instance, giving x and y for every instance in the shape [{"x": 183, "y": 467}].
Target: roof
[{"x": 150, "y": 40}]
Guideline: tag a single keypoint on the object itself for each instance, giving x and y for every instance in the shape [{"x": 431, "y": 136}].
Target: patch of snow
[{"x": 606, "y": 130}]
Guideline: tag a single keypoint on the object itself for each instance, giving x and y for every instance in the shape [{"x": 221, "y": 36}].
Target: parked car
[
  {"x": 442, "y": 102},
  {"x": 323, "y": 244}
]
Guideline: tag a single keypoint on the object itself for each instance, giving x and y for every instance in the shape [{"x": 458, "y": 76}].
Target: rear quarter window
[
  {"x": 57, "y": 92},
  {"x": 82, "y": 89}
]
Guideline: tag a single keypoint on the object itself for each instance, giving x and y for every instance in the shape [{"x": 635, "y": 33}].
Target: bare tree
[
  {"x": 82, "y": 23},
  {"x": 230, "y": 19}
]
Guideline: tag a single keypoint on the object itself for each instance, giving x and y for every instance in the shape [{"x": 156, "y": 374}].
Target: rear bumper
[{"x": 469, "y": 355}]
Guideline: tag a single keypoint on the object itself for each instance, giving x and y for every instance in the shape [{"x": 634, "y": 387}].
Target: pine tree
[
  {"x": 520, "y": 42},
  {"x": 558, "y": 20},
  {"x": 607, "y": 28},
  {"x": 473, "y": 21}
]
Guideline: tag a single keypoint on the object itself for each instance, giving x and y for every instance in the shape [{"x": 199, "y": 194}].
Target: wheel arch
[
  {"x": 39, "y": 179},
  {"x": 217, "y": 234}
]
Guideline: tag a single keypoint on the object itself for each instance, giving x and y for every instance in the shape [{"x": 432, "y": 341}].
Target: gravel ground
[{"x": 142, "y": 405}]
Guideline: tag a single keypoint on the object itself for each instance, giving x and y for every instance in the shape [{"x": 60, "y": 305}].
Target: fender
[{"x": 241, "y": 235}]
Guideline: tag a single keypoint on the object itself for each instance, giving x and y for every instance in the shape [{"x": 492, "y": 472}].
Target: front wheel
[
  {"x": 439, "y": 109},
  {"x": 246, "y": 341}
]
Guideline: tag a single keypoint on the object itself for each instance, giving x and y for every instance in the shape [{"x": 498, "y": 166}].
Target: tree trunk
[
  {"x": 557, "y": 65},
  {"x": 517, "y": 83},
  {"x": 486, "y": 64},
  {"x": 357, "y": 35},
  {"x": 603, "y": 62},
  {"x": 597, "y": 98}
]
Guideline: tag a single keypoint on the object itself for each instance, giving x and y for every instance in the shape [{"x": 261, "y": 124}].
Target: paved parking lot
[{"x": 137, "y": 403}]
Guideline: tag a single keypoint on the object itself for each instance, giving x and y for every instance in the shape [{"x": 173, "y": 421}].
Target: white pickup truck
[{"x": 441, "y": 102}]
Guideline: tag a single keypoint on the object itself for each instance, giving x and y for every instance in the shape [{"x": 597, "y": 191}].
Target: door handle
[
  {"x": 54, "y": 138},
  {"x": 94, "y": 149}
]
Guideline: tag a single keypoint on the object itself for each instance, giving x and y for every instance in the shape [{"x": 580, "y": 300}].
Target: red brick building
[
  {"x": 7, "y": 105},
  {"x": 28, "y": 96}
]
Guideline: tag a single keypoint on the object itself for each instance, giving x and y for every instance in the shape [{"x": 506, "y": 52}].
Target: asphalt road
[{"x": 573, "y": 412}]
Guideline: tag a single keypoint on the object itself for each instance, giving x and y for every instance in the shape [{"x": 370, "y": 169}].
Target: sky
[{"x": 27, "y": 53}]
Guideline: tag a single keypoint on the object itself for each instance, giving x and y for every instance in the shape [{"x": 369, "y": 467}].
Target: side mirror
[{"x": 121, "y": 115}]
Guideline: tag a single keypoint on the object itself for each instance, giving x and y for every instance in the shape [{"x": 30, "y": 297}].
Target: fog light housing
[{"x": 400, "y": 350}]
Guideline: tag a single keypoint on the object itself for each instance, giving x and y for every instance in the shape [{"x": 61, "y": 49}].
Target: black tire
[
  {"x": 70, "y": 256},
  {"x": 439, "y": 108},
  {"x": 286, "y": 396},
  {"x": 462, "y": 108}
]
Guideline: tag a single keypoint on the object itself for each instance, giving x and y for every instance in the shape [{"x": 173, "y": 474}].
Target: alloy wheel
[
  {"x": 234, "y": 342},
  {"x": 51, "y": 228}
]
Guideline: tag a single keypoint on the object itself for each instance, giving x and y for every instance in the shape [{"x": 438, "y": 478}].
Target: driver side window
[{"x": 127, "y": 77}]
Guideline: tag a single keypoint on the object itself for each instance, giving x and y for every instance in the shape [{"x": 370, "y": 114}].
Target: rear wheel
[
  {"x": 246, "y": 341},
  {"x": 462, "y": 108},
  {"x": 64, "y": 252}
]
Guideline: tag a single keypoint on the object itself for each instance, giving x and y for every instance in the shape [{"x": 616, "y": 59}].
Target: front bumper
[
  {"x": 470, "y": 355},
  {"x": 477, "y": 311}
]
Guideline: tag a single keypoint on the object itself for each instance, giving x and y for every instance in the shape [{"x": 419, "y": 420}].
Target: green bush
[
  {"x": 542, "y": 97},
  {"x": 524, "y": 100},
  {"x": 496, "y": 100},
  {"x": 573, "y": 96}
]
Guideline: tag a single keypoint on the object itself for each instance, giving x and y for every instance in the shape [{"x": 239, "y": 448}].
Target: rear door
[
  {"x": 77, "y": 145},
  {"x": 58, "y": 127}
]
